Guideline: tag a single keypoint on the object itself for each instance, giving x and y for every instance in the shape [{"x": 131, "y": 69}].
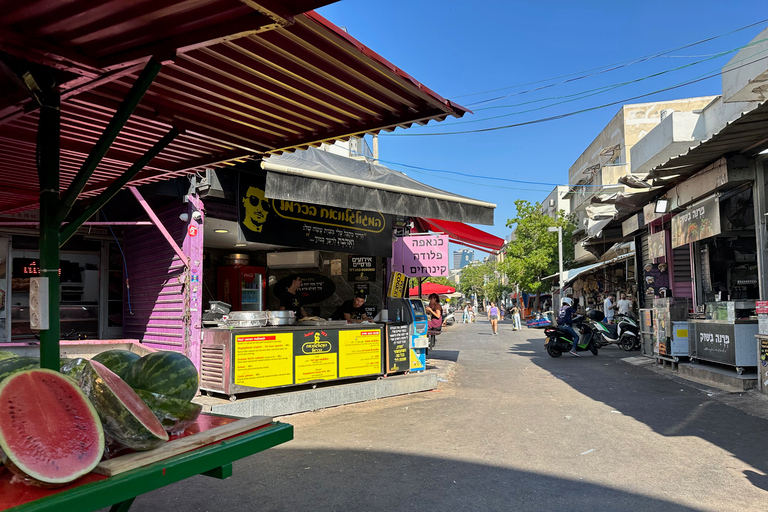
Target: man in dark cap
[{"x": 354, "y": 310}]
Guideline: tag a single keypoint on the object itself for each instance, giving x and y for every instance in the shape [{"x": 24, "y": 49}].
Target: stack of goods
[{"x": 94, "y": 409}]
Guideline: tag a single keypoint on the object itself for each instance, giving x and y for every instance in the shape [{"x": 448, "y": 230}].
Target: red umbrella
[{"x": 427, "y": 288}]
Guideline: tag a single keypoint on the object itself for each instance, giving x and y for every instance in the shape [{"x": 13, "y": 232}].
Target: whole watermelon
[
  {"x": 166, "y": 373},
  {"x": 17, "y": 364},
  {"x": 74, "y": 368},
  {"x": 4, "y": 354},
  {"x": 174, "y": 414},
  {"x": 117, "y": 360}
]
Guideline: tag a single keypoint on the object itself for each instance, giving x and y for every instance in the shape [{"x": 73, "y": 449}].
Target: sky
[{"x": 526, "y": 61}]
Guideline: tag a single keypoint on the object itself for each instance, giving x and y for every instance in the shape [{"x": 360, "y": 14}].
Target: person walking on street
[
  {"x": 565, "y": 322},
  {"x": 466, "y": 313},
  {"x": 493, "y": 316},
  {"x": 516, "y": 326},
  {"x": 501, "y": 314}
]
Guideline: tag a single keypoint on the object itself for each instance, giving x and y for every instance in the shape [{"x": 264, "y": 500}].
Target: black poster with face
[{"x": 308, "y": 226}]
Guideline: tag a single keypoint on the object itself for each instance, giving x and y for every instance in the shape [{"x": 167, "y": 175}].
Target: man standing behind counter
[
  {"x": 290, "y": 301},
  {"x": 353, "y": 310}
]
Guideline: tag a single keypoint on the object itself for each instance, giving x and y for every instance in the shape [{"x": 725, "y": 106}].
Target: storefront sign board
[
  {"x": 715, "y": 342},
  {"x": 397, "y": 285},
  {"x": 309, "y": 226},
  {"x": 696, "y": 223},
  {"x": 361, "y": 268},
  {"x": 631, "y": 225},
  {"x": 421, "y": 256},
  {"x": 657, "y": 245}
]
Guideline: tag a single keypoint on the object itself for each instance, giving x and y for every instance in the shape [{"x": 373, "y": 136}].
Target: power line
[{"x": 607, "y": 67}]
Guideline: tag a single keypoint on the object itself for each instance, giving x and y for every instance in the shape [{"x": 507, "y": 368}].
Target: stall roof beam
[
  {"x": 156, "y": 221},
  {"x": 109, "y": 135},
  {"x": 114, "y": 188}
]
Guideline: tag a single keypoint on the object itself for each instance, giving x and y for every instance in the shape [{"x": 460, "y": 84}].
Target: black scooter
[{"x": 560, "y": 340}]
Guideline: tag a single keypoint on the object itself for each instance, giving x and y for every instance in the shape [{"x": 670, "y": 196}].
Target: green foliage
[
  {"x": 483, "y": 279},
  {"x": 414, "y": 281},
  {"x": 533, "y": 254}
]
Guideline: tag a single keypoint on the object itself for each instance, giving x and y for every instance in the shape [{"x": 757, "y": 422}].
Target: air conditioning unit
[{"x": 294, "y": 259}]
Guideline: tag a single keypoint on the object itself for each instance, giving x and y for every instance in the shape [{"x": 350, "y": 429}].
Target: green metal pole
[
  {"x": 48, "y": 135},
  {"x": 109, "y": 135},
  {"x": 69, "y": 230}
]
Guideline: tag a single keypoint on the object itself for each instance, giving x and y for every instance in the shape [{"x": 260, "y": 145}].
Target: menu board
[
  {"x": 656, "y": 277},
  {"x": 264, "y": 361},
  {"x": 316, "y": 355},
  {"x": 398, "y": 343},
  {"x": 696, "y": 223},
  {"x": 657, "y": 245},
  {"x": 359, "y": 352},
  {"x": 361, "y": 268}
]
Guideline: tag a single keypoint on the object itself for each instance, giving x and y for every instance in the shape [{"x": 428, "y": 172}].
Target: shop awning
[
  {"x": 428, "y": 288},
  {"x": 321, "y": 177},
  {"x": 570, "y": 275},
  {"x": 462, "y": 234},
  {"x": 235, "y": 79},
  {"x": 746, "y": 135}
]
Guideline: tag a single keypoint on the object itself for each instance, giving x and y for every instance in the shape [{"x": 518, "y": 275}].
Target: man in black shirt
[
  {"x": 290, "y": 300},
  {"x": 353, "y": 310}
]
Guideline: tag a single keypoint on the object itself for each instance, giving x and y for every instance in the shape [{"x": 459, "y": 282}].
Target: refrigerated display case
[{"x": 242, "y": 287}]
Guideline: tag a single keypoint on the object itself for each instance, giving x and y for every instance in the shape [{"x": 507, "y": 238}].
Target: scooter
[
  {"x": 560, "y": 340},
  {"x": 625, "y": 333},
  {"x": 449, "y": 319}
]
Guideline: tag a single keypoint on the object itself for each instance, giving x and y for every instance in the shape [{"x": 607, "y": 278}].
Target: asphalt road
[{"x": 510, "y": 429}]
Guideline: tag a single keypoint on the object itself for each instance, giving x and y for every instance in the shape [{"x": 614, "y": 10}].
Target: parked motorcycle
[
  {"x": 449, "y": 319},
  {"x": 625, "y": 332},
  {"x": 560, "y": 340}
]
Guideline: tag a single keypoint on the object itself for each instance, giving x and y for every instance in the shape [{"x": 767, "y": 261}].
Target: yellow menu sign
[
  {"x": 397, "y": 285},
  {"x": 359, "y": 352},
  {"x": 264, "y": 360}
]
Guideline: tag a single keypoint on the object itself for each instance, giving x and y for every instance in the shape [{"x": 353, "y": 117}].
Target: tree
[
  {"x": 533, "y": 254},
  {"x": 472, "y": 278},
  {"x": 414, "y": 281}
]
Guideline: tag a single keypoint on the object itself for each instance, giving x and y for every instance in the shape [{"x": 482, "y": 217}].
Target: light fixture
[
  {"x": 241, "y": 244},
  {"x": 662, "y": 205},
  {"x": 221, "y": 231},
  {"x": 197, "y": 215}
]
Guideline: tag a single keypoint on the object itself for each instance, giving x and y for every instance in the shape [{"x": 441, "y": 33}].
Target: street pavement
[{"x": 510, "y": 429}]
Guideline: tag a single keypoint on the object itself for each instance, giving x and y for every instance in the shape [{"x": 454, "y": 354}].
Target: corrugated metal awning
[{"x": 238, "y": 79}]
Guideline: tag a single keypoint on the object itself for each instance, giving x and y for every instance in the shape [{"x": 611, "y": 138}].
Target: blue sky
[{"x": 500, "y": 48}]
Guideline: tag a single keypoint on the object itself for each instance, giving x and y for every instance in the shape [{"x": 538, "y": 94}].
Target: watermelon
[
  {"x": 74, "y": 368},
  {"x": 50, "y": 434},
  {"x": 4, "y": 354},
  {"x": 166, "y": 373},
  {"x": 17, "y": 364},
  {"x": 117, "y": 360},
  {"x": 175, "y": 414},
  {"x": 126, "y": 419}
]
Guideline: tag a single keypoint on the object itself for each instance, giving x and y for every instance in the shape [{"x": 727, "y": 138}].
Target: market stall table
[{"x": 208, "y": 447}]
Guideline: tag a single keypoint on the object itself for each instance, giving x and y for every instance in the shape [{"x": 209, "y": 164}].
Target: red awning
[
  {"x": 463, "y": 234},
  {"x": 428, "y": 288}
]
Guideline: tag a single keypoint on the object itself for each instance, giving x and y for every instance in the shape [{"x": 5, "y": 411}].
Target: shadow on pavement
[
  {"x": 284, "y": 479},
  {"x": 445, "y": 355},
  {"x": 665, "y": 405}
]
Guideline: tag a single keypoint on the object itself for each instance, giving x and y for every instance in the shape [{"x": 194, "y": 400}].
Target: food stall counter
[
  {"x": 727, "y": 336},
  {"x": 249, "y": 359}
]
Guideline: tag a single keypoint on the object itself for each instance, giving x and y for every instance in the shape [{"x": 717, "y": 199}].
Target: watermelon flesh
[
  {"x": 50, "y": 434},
  {"x": 127, "y": 421},
  {"x": 166, "y": 373}
]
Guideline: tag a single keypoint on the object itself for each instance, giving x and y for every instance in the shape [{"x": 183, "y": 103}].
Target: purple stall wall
[
  {"x": 160, "y": 283},
  {"x": 193, "y": 248}
]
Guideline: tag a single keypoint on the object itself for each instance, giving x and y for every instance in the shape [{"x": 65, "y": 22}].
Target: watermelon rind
[
  {"x": 17, "y": 364},
  {"x": 4, "y": 354},
  {"x": 166, "y": 373},
  {"x": 175, "y": 414},
  {"x": 126, "y": 419},
  {"x": 74, "y": 368},
  {"x": 70, "y": 420},
  {"x": 118, "y": 360}
]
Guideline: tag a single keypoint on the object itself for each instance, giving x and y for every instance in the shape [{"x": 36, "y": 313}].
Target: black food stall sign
[
  {"x": 398, "y": 348},
  {"x": 656, "y": 277},
  {"x": 309, "y": 226},
  {"x": 715, "y": 342},
  {"x": 314, "y": 287},
  {"x": 696, "y": 223},
  {"x": 361, "y": 268}
]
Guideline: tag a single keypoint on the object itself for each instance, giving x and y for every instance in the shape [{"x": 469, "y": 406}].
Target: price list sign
[
  {"x": 398, "y": 345},
  {"x": 264, "y": 361},
  {"x": 359, "y": 352}
]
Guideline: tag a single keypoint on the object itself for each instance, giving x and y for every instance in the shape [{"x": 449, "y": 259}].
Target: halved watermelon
[
  {"x": 126, "y": 419},
  {"x": 118, "y": 360},
  {"x": 165, "y": 372},
  {"x": 50, "y": 434}
]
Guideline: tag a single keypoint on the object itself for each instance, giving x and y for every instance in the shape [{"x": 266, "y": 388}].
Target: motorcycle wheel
[
  {"x": 593, "y": 348},
  {"x": 627, "y": 343},
  {"x": 553, "y": 350}
]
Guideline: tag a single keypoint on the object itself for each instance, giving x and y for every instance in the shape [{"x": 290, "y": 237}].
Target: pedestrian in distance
[
  {"x": 609, "y": 308},
  {"x": 466, "y": 314},
  {"x": 516, "y": 325},
  {"x": 501, "y": 314},
  {"x": 624, "y": 306},
  {"x": 493, "y": 317}
]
